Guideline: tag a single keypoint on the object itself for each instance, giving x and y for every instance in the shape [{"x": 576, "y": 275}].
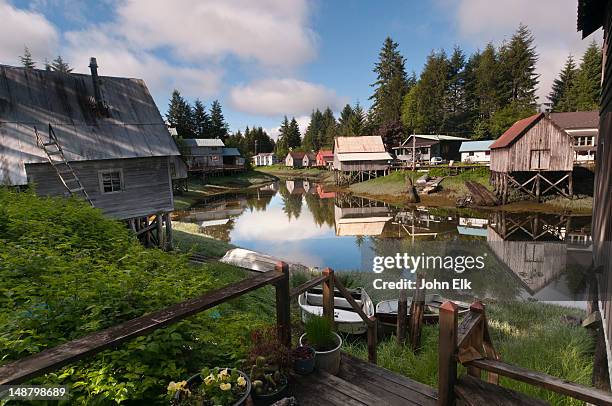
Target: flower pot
[
  {"x": 304, "y": 366},
  {"x": 197, "y": 380},
  {"x": 265, "y": 399},
  {"x": 328, "y": 361}
]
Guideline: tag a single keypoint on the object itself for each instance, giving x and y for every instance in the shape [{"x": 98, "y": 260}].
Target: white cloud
[
  {"x": 21, "y": 28},
  {"x": 115, "y": 58},
  {"x": 283, "y": 96},
  {"x": 552, "y": 22},
  {"x": 272, "y": 32}
]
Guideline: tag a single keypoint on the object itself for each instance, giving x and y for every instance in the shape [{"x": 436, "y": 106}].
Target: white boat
[{"x": 347, "y": 320}]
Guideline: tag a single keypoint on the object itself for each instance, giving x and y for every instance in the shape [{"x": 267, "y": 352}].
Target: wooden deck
[{"x": 361, "y": 383}]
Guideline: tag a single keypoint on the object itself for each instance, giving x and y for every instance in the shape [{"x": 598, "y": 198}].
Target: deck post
[
  {"x": 328, "y": 295},
  {"x": 477, "y": 337},
  {"x": 417, "y": 309},
  {"x": 372, "y": 339},
  {"x": 159, "y": 223},
  {"x": 402, "y": 315},
  {"x": 447, "y": 345},
  {"x": 283, "y": 305},
  {"x": 570, "y": 184},
  {"x": 169, "y": 236}
]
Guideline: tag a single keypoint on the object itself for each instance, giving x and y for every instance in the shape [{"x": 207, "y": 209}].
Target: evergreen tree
[
  {"x": 26, "y": 59},
  {"x": 282, "y": 144},
  {"x": 218, "y": 126},
  {"x": 344, "y": 121},
  {"x": 561, "y": 96},
  {"x": 587, "y": 91},
  {"x": 357, "y": 122},
  {"x": 294, "y": 138},
  {"x": 59, "y": 65},
  {"x": 201, "y": 120},
  {"x": 313, "y": 136},
  {"x": 455, "y": 98},
  {"x": 518, "y": 69},
  {"x": 391, "y": 84},
  {"x": 329, "y": 129},
  {"x": 180, "y": 115}
]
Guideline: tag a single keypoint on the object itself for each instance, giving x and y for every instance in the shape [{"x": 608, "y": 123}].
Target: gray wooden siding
[
  {"x": 555, "y": 144},
  {"x": 353, "y": 166},
  {"x": 146, "y": 181}
]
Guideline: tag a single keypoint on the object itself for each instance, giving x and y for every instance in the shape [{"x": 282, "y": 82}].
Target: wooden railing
[
  {"x": 54, "y": 358},
  {"x": 470, "y": 344}
]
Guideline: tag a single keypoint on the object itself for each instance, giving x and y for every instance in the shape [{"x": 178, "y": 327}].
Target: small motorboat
[
  {"x": 386, "y": 311},
  {"x": 347, "y": 320}
]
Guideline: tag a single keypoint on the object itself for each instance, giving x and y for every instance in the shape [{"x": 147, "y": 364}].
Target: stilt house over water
[
  {"x": 534, "y": 156},
  {"x": 98, "y": 137}
]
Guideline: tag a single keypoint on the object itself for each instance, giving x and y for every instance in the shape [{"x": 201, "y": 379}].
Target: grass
[
  {"x": 188, "y": 239},
  {"x": 282, "y": 170},
  {"x": 528, "y": 334},
  {"x": 393, "y": 184}
]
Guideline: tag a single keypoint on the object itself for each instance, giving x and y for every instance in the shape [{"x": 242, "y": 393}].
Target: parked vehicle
[{"x": 436, "y": 160}]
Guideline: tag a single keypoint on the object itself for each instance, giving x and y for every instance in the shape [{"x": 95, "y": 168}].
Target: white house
[
  {"x": 265, "y": 159},
  {"x": 476, "y": 152}
]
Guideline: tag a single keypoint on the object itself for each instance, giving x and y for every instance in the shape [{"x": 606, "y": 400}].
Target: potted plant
[
  {"x": 216, "y": 387},
  {"x": 303, "y": 359},
  {"x": 326, "y": 343},
  {"x": 270, "y": 361}
]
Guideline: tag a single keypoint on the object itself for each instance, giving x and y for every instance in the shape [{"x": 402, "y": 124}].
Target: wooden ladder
[{"x": 58, "y": 161}]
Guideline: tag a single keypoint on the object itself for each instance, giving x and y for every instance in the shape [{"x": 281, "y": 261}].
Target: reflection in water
[{"x": 538, "y": 255}]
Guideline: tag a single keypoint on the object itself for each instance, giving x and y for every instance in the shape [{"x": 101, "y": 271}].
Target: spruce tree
[
  {"x": 282, "y": 143},
  {"x": 391, "y": 84},
  {"x": 218, "y": 126},
  {"x": 312, "y": 135},
  {"x": 518, "y": 69},
  {"x": 294, "y": 138},
  {"x": 429, "y": 97},
  {"x": 180, "y": 115},
  {"x": 587, "y": 91},
  {"x": 59, "y": 65},
  {"x": 455, "y": 98},
  {"x": 357, "y": 121},
  {"x": 26, "y": 59},
  {"x": 562, "y": 97},
  {"x": 329, "y": 129},
  {"x": 201, "y": 120},
  {"x": 344, "y": 121}
]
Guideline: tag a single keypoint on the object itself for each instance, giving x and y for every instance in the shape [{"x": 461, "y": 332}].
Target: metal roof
[
  {"x": 516, "y": 131},
  {"x": 358, "y": 144},
  {"x": 203, "y": 142},
  {"x": 365, "y": 156},
  {"x": 133, "y": 127},
  {"x": 434, "y": 137},
  {"x": 230, "y": 152},
  {"x": 474, "y": 146},
  {"x": 576, "y": 119}
]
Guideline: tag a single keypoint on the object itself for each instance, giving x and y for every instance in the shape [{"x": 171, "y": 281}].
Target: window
[
  {"x": 111, "y": 181},
  {"x": 470, "y": 154},
  {"x": 487, "y": 153}
]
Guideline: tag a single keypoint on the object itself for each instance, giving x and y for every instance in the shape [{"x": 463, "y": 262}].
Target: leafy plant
[
  {"x": 266, "y": 377},
  {"x": 219, "y": 387},
  {"x": 265, "y": 344},
  {"x": 319, "y": 333}
]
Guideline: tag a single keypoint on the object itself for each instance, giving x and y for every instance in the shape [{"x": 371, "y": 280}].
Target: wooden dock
[{"x": 361, "y": 383}]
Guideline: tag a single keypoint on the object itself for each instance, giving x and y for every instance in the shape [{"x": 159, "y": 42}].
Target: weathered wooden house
[
  {"x": 476, "y": 152},
  {"x": 593, "y": 15},
  {"x": 203, "y": 154},
  {"x": 294, "y": 159},
  {"x": 264, "y": 159},
  {"x": 98, "y": 137},
  {"x": 325, "y": 158},
  {"x": 534, "y": 156},
  {"x": 583, "y": 126},
  {"x": 309, "y": 160},
  {"x": 359, "y": 158},
  {"x": 427, "y": 146},
  {"x": 232, "y": 158}
]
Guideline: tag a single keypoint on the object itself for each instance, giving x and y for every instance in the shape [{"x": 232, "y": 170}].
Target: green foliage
[
  {"x": 218, "y": 126},
  {"x": 202, "y": 124},
  {"x": 67, "y": 271},
  {"x": 26, "y": 59},
  {"x": 319, "y": 333},
  {"x": 587, "y": 90},
  {"x": 503, "y": 118},
  {"x": 254, "y": 141},
  {"x": 59, "y": 65},
  {"x": 561, "y": 96},
  {"x": 180, "y": 116}
]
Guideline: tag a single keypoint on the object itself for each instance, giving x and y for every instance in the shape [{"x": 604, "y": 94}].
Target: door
[{"x": 540, "y": 159}]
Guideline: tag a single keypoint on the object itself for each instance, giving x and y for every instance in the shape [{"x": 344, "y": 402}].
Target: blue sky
[{"x": 267, "y": 58}]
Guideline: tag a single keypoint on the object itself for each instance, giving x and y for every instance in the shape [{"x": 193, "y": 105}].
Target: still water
[{"x": 528, "y": 254}]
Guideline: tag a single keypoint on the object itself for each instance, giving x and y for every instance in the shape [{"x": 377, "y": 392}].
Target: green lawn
[{"x": 188, "y": 239}]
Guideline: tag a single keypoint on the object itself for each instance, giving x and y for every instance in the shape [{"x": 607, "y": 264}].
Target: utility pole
[{"x": 413, "y": 151}]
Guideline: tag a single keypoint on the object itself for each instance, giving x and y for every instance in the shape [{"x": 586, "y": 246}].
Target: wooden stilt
[
  {"x": 537, "y": 186},
  {"x": 402, "y": 315},
  {"x": 570, "y": 184},
  {"x": 169, "y": 234},
  {"x": 159, "y": 222}
]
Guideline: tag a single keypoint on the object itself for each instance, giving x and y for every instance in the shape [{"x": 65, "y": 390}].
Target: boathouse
[
  {"x": 98, "y": 137},
  {"x": 427, "y": 146},
  {"x": 325, "y": 158},
  {"x": 203, "y": 154},
  {"x": 476, "y": 152},
  {"x": 309, "y": 160},
  {"x": 232, "y": 158},
  {"x": 593, "y": 15},
  {"x": 294, "y": 159},
  {"x": 264, "y": 159},
  {"x": 534, "y": 156},
  {"x": 359, "y": 158},
  {"x": 583, "y": 126}
]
